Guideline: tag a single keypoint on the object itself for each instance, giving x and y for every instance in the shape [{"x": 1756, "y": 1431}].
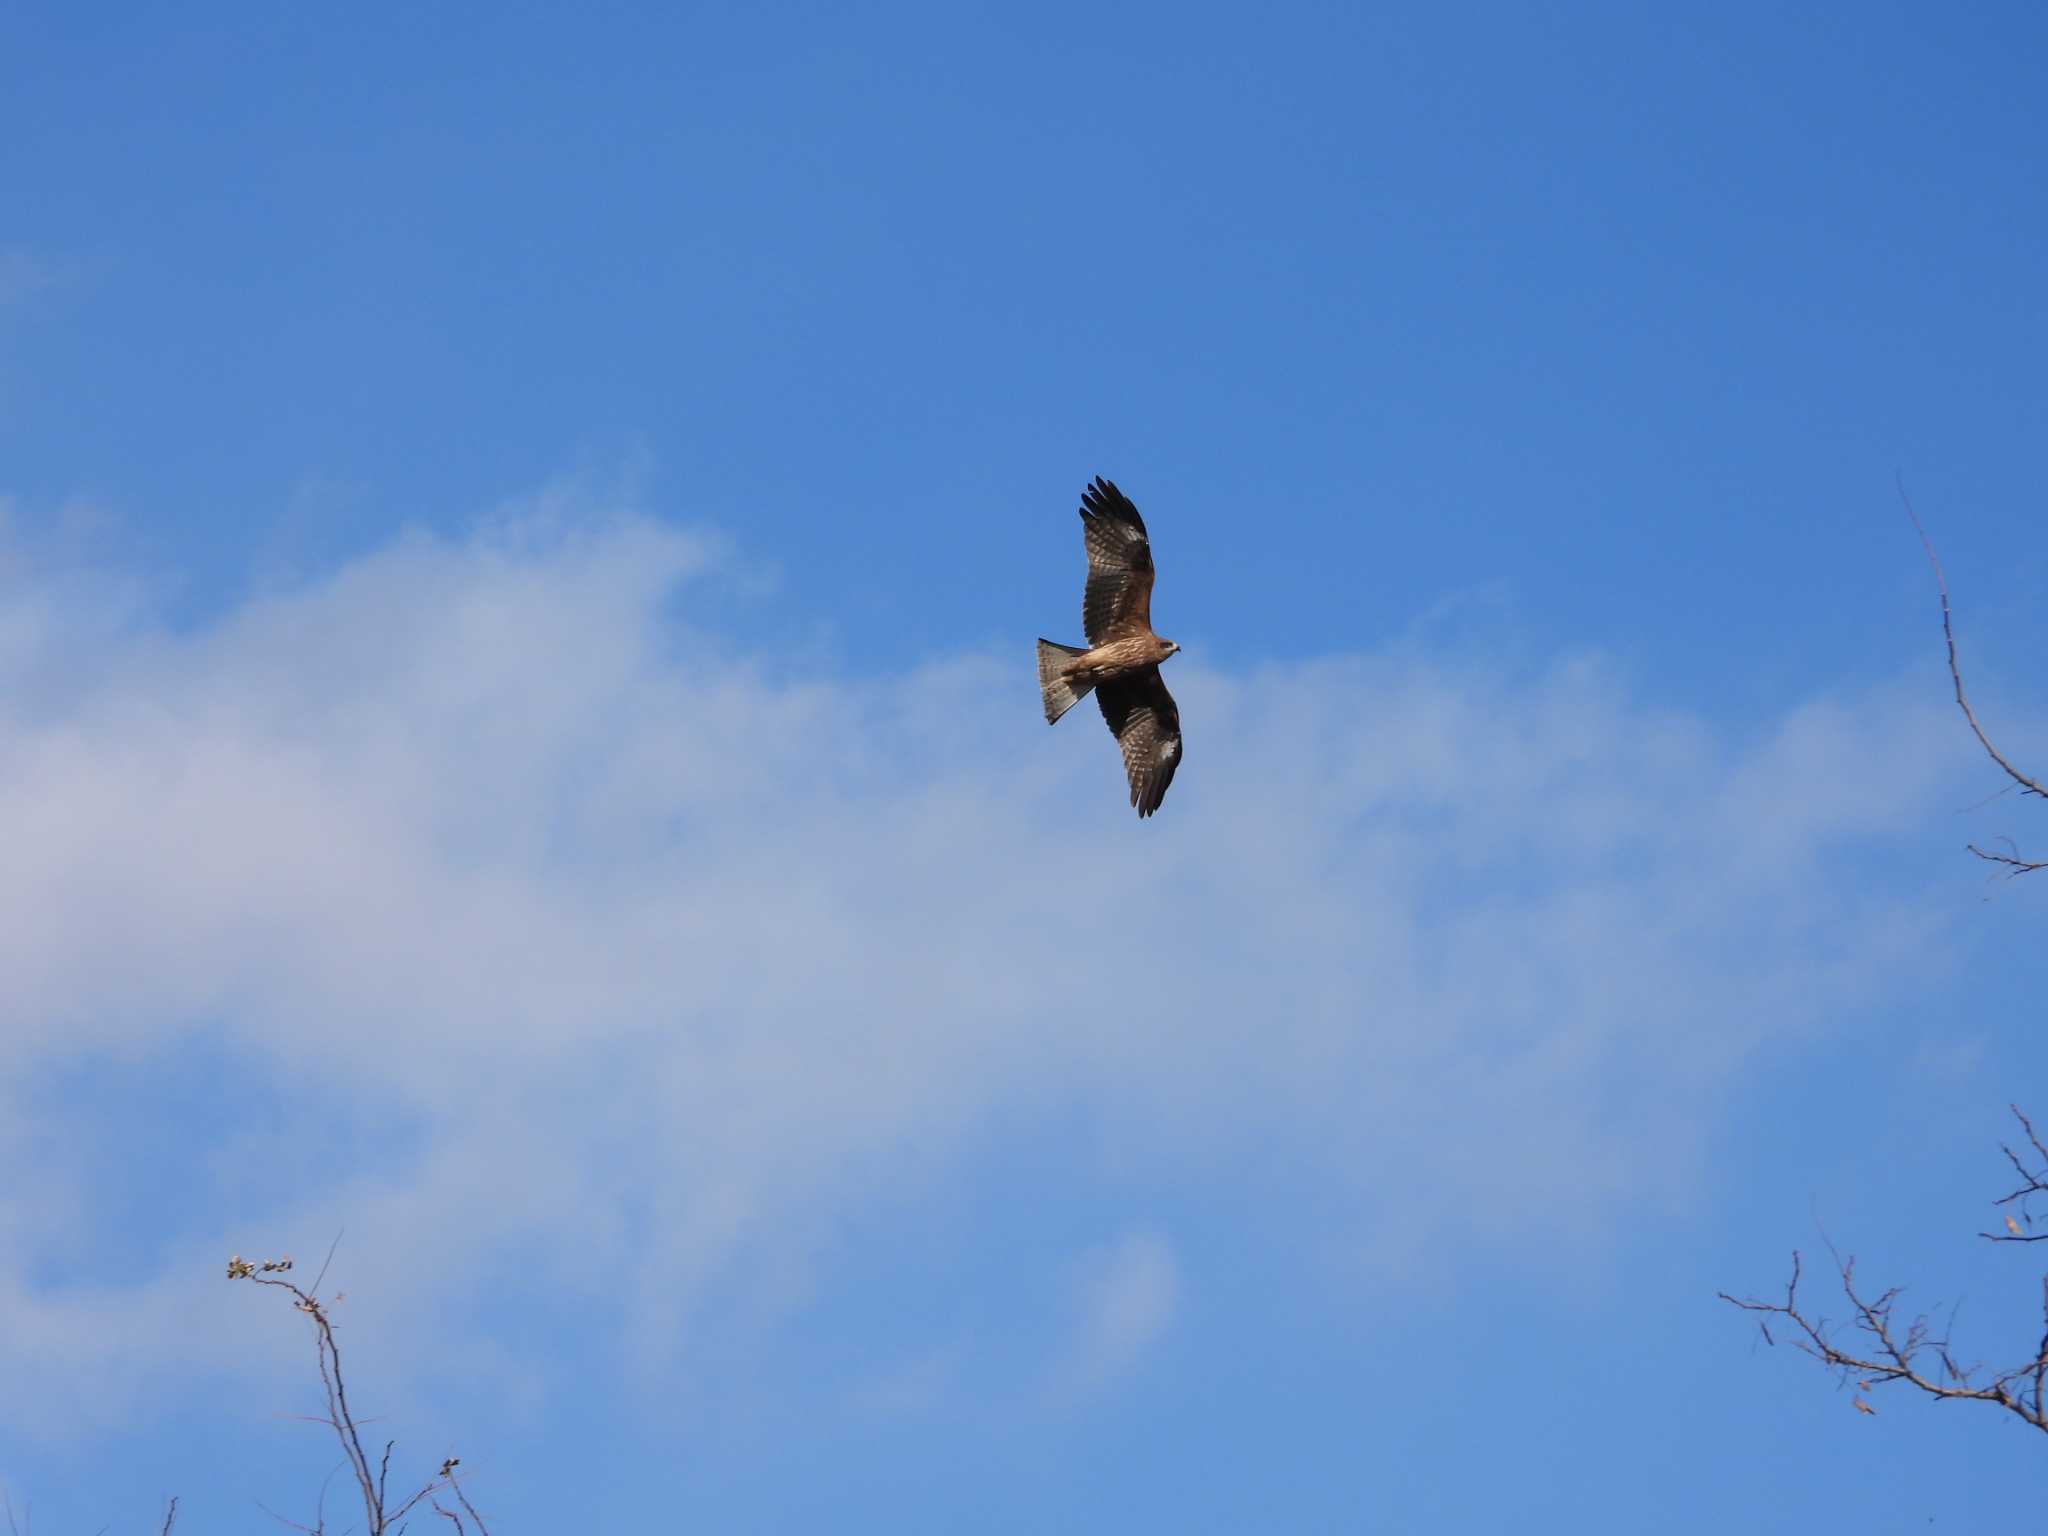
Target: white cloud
[
  {"x": 1128, "y": 1293},
  {"x": 559, "y": 941}
]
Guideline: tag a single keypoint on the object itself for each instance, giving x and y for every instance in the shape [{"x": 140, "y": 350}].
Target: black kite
[{"x": 1120, "y": 664}]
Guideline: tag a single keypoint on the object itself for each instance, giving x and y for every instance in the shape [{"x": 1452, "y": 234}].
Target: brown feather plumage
[
  {"x": 1118, "y": 598},
  {"x": 1146, "y": 723},
  {"x": 1122, "y": 661}
]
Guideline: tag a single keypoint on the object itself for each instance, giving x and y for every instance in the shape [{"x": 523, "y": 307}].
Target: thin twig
[
  {"x": 310, "y": 1530},
  {"x": 2013, "y": 865},
  {"x": 2033, "y": 1181},
  {"x": 372, "y": 1482},
  {"x": 1955, "y": 671},
  {"x": 462, "y": 1496},
  {"x": 321, "y": 1278},
  {"x": 1894, "y": 1357},
  {"x": 1894, "y": 1351}
]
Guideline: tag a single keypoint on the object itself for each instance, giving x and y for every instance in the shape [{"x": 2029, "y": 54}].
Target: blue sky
[{"x": 522, "y": 533}]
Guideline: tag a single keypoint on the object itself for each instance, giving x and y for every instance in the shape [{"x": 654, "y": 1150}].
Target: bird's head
[{"x": 1172, "y": 647}]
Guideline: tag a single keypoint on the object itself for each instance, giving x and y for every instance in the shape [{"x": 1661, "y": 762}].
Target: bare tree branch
[
  {"x": 321, "y": 1278},
  {"x": 462, "y": 1494},
  {"x": 315, "y": 1529},
  {"x": 1890, "y": 1350},
  {"x": 2028, "y": 785},
  {"x": 2033, "y": 1181},
  {"x": 1895, "y": 1352},
  {"x": 371, "y": 1482},
  {"x": 2014, "y": 865},
  {"x": 2011, "y": 863}
]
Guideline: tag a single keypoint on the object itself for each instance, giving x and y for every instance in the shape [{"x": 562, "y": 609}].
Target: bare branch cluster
[
  {"x": 372, "y": 1480},
  {"x": 2010, "y": 860},
  {"x": 1874, "y": 1347},
  {"x": 2033, "y": 1181}
]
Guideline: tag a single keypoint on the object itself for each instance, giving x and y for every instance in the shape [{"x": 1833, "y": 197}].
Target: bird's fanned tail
[{"x": 1060, "y": 695}]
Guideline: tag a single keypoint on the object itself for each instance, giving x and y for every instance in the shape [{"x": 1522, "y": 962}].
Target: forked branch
[
  {"x": 371, "y": 1482},
  {"x": 1874, "y": 1347},
  {"x": 1889, "y": 1351},
  {"x": 2033, "y": 1181},
  {"x": 2012, "y": 863}
]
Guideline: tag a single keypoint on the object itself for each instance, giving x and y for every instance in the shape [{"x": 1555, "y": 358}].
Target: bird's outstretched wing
[
  {"x": 1146, "y": 723},
  {"x": 1119, "y": 595}
]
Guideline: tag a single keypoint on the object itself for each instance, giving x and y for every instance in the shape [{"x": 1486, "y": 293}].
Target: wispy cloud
[
  {"x": 1128, "y": 1293},
  {"x": 517, "y": 923}
]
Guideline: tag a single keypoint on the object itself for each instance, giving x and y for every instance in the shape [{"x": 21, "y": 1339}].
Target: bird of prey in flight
[{"x": 1120, "y": 663}]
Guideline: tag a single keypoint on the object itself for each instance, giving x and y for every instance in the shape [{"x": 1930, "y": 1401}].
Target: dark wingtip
[{"x": 1101, "y": 498}]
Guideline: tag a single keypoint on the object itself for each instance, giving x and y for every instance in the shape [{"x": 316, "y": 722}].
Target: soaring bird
[{"x": 1120, "y": 663}]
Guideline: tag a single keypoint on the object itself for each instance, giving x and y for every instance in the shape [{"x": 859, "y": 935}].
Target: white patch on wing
[{"x": 1169, "y": 749}]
